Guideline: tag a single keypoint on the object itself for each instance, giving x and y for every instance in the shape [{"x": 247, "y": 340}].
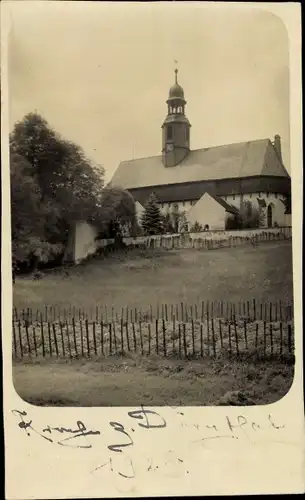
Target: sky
[{"x": 100, "y": 73}]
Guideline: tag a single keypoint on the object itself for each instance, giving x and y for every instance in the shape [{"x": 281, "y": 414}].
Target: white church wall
[{"x": 209, "y": 212}]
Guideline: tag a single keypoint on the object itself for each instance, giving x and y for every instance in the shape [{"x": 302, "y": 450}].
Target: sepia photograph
[{"x": 151, "y": 206}]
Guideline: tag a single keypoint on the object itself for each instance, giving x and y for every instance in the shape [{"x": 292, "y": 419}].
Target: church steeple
[{"x": 176, "y": 127}]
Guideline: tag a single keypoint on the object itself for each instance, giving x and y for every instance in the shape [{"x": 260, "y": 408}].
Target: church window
[{"x": 169, "y": 132}]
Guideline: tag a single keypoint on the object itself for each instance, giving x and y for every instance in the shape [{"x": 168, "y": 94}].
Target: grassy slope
[
  {"x": 189, "y": 276},
  {"x": 131, "y": 382}
]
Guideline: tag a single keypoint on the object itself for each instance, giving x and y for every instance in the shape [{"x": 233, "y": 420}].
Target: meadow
[{"x": 143, "y": 279}]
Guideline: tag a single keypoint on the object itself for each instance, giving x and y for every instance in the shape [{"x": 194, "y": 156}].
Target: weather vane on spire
[{"x": 176, "y": 70}]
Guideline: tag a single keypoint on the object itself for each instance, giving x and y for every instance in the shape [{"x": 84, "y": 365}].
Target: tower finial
[{"x": 176, "y": 71}]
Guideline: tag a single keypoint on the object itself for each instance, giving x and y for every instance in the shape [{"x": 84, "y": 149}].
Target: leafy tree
[
  {"x": 248, "y": 217},
  {"x": 28, "y": 215},
  {"x": 151, "y": 219},
  {"x": 115, "y": 212}
]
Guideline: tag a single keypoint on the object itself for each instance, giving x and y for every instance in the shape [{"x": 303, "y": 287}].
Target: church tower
[{"x": 175, "y": 128}]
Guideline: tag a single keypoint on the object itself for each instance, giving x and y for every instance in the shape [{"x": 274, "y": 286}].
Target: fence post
[
  {"x": 55, "y": 339},
  {"x": 157, "y": 337},
  {"x": 236, "y": 337},
  {"x": 62, "y": 339},
  {"x": 164, "y": 338},
  {"x": 149, "y": 337},
  {"x": 68, "y": 338},
  {"x": 81, "y": 337},
  {"x": 220, "y": 335},
  {"x": 254, "y": 310},
  {"x": 193, "y": 338},
  {"x": 213, "y": 339},
  {"x": 264, "y": 338},
  {"x": 74, "y": 336},
  {"x": 184, "y": 341},
  {"x": 94, "y": 338},
  {"x": 42, "y": 336},
  {"x": 49, "y": 336},
  {"x": 230, "y": 339},
  {"x": 245, "y": 332}
]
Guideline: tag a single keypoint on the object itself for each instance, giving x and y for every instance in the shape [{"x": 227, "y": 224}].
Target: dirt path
[{"x": 132, "y": 382}]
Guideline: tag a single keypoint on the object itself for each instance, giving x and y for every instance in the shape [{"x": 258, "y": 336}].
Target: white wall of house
[
  {"x": 209, "y": 212},
  {"x": 139, "y": 211},
  {"x": 278, "y": 208},
  {"x": 85, "y": 243}
]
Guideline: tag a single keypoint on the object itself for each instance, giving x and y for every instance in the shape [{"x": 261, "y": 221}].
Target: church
[{"x": 208, "y": 184}]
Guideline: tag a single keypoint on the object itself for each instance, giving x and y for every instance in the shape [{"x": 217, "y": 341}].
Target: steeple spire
[{"x": 176, "y": 127}]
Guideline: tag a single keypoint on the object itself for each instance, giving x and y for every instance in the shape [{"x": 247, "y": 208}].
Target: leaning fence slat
[
  {"x": 134, "y": 337},
  {"x": 81, "y": 338},
  {"x": 42, "y": 336},
  {"x": 220, "y": 334},
  {"x": 94, "y": 338},
  {"x": 55, "y": 339},
  {"x": 149, "y": 338},
  {"x": 236, "y": 337},
  {"x": 68, "y": 338},
  {"x": 62, "y": 339},
  {"x": 20, "y": 338},
  {"x": 127, "y": 336},
  {"x": 115, "y": 339},
  {"x": 245, "y": 334},
  {"x": 201, "y": 340},
  {"x": 213, "y": 338},
  {"x": 74, "y": 336},
  {"x": 230, "y": 339},
  {"x": 271, "y": 339},
  {"x": 49, "y": 337}
]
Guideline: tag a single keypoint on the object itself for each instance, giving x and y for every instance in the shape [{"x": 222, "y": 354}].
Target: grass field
[
  {"x": 140, "y": 279},
  {"x": 144, "y": 278}
]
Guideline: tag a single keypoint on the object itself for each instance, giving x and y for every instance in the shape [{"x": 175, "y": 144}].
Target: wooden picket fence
[
  {"x": 211, "y": 337},
  {"x": 250, "y": 310}
]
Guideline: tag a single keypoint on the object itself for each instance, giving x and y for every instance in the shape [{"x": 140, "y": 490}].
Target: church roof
[
  {"x": 232, "y": 161},
  {"x": 224, "y": 204}
]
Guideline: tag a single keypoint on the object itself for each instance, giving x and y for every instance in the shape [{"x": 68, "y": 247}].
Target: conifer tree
[{"x": 151, "y": 218}]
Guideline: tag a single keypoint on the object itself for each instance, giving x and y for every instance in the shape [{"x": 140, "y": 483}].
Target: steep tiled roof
[
  {"x": 245, "y": 159},
  {"x": 225, "y": 205}
]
